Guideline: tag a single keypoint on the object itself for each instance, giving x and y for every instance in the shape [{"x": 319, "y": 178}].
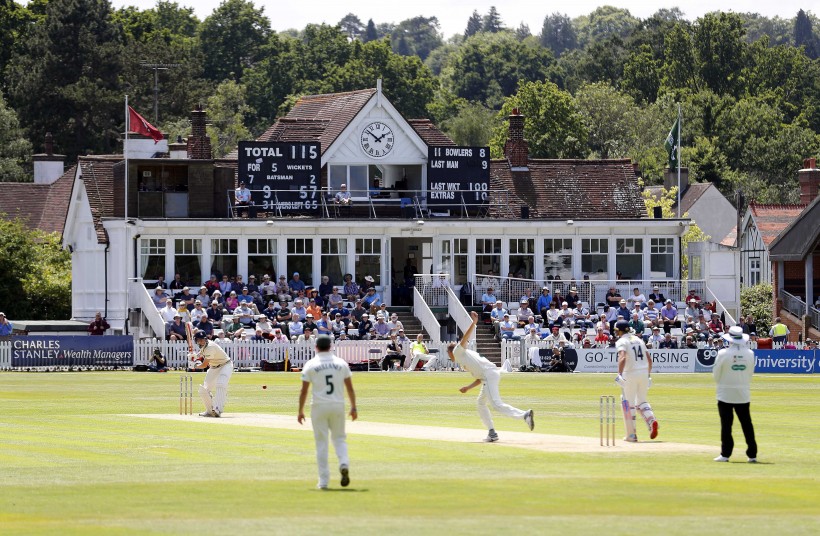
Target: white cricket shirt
[
  {"x": 733, "y": 372},
  {"x": 473, "y": 362},
  {"x": 637, "y": 355},
  {"x": 327, "y": 374}
]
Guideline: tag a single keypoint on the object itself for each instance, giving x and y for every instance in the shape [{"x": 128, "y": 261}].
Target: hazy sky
[{"x": 453, "y": 14}]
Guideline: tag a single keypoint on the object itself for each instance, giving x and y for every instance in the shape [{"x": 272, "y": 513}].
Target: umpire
[{"x": 733, "y": 372}]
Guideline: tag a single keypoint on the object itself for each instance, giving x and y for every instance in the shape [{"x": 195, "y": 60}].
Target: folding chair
[{"x": 371, "y": 360}]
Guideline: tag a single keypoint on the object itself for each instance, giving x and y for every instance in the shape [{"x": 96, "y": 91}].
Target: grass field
[{"x": 72, "y": 463}]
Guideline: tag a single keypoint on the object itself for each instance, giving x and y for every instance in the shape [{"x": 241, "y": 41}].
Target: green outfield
[{"x": 73, "y": 463}]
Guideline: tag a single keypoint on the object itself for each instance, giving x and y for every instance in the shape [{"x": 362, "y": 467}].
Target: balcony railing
[{"x": 793, "y": 304}]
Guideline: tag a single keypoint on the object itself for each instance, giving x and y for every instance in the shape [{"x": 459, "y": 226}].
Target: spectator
[
  {"x": 198, "y": 312},
  {"x": 323, "y": 325},
  {"x": 716, "y": 326},
  {"x": 225, "y": 286},
  {"x": 395, "y": 353},
  {"x": 206, "y": 327},
  {"x": 381, "y": 329},
  {"x": 372, "y": 300},
  {"x": 264, "y": 326},
  {"x": 601, "y": 336},
  {"x": 212, "y": 284},
  {"x": 490, "y": 281},
  {"x": 656, "y": 295},
  {"x": 177, "y": 283},
  {"x": 554, "y": 338},
  {"x": 245, "y": 315},
  {"x": 531, "y": 324},
  {"x": 613, "y": 297},
  {"x": 567, "y": 315},
  {"x": 242, "y": 199},
  {"x": 237, "y": 285},
  {"x": 506, "y": 329},
  {"x": 692, "y": 295},
  {"x": 310, "y": 322},
  {"x": 185, "y": 297},
  {"x": 523, "y": 312},
  {"x": 267, "y": 289},
  {"x": 369, "y": 283},
  {"x": 342, "y": 197},
  {"x": 358, "y": 312},
  {"x": 701, "y": 328},
  {"x": 168, "y": 312},
  {"x": 161, "y": 282},
  {"x": 420, "y": 352},
  {"x": 203, "y": 297},
  {"x": 298, "y": 311},
  {"x": 497, "y": 314},
  {"x": 159, "y": 297},
  {"x": 337, "y": 326},
  {"x": 314, "y": 309},
  {"x": 395, "y": 324},
  {"x": 572, "y": 298},
  {"x": 279, "y": 337},
  {"x": 334, "y": 299},
  {"x": 351, "y": 289},
  {"x": 231, "y": 302},
  {"x": 6, "y": 327},
  {"x": 656, "y": 338},
  {"x": 282, "y": 289},
  {"x": 96, "y": 327},
  {"x": 583, "y": 317},
  {"x": 295, "y": 328},
  {"x": 296, "y": 284},
  {"x": 553, "y": 316},
  {"x": 651, "y": 313},
  {"x": 215, "y": 312},
  {"x": 270, "y": 310},
  {"x": 637, "y": 324},
  {"x": 176, "y": 329},
  {"x": 623, "y": 310},
  {"x": 669, "y": 317},
  {"x": 668, "y": 342},
  {"x": 636, "y": 298},
  {"x": 325, "y": 288},
  {"x": 157, "y": 362},
  {"x": 221, "y": 338},
  {"x": 779, "y": 332},
  {"x": 365, "y": 328},
  {"x": 690, "y": 340},
  {"x": 313, "y": 294},
  {"x": 402, "y": 338},
  {"x": 543, "y": 303},
  {"x": 308, "y": 336},
  {"x": 750, "y": 321}
]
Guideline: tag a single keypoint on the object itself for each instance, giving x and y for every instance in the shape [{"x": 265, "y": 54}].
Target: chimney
[
  {"x": 48, "y": 167},
  {"x": 199, "y": 144},
  {"x": 670, "y": 178},
  {"x": 516, "y": 148},
  {"x": 809, "y": 179}
]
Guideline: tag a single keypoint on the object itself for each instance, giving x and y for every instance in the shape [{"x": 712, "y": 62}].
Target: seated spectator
[
  {"x": 382, "y": 311},
  {"x": 215, "y": 312},
  {"x": 395, "y": 324},
  {"x": 498, "y": 312},
  {"x": 583, "y": 318},
  {"x": 601, "y": 337},
  {"x": 337, "y": 326},
  {"x": 267, "y": 289},
  {"x": 270, "y": 310},
  {"x": 351, "y": 289},
  {"x": 613, "y": 297},
  {"x": 245, "y": 315},
  {"x": 296, "y": 284},
  {"x": 420, "y": 352},
  {"x": 157, "y": 362},
  {"x": 381, "y": 329},
  {"x": 692, "y": 296},
  {"x": 203, "y": 296},
  {"x": 221, "y": 338},
  {"x": 282, "y": 290},
  {"x": 523, "y": 312},
  {"x": 506, "y": 329},
  {"x": 402, "y": 338},
  {"x": 490, "y": 281},
  {"x": 284, "y": 314},
  {"x": 325, "y": 288},
  {"x": 310, "y": 323},
  {"x": 656, "y": 295},
  {"x": 636, "y": 298},
  {"x": 159, "y": 297},
  {"x": 225, "y": 286},
  {"x": 245, "y": 296},
  {"x": 169, "y": 311},
  {"x": 554, "y": 338},
  {"x": 656, "y": 338},
  {"x": 372, "y": 300},
  {"x": 701, "y": 328},
  {"x": 323, "y": 325},
  {"x": 334, "y": 299},
  {"x": 313, "y": 308},
  {"x": 161, "y": 282},
  {"x": 488, "y": 300},
  {"x": 264, "y": 326},
  {"x": 183, "y": 310},
  {"x": 531, "y": 324},
  {"x": 365, "y": 328},
  {"x": 279, "y": 337},
  {"x": 211, "y": 284},
  {"x": 198, "y": 312},
  {"x": 692, "y": 309},
  {"x": 395, "y": 353},
  {"x": 218, "y": 298},
  {"x": 176, "y": 329},
  {"x": 369, "y": 283},
  {"x": 543, "y": 303},
  {"x": 553, "y": 317},
  {"x": 342, "y": 197},
  {"x": 637, "y": 324},
  {"x": 358, "y": 312},
  {"x": 690, "y": 339},
  {"x": 669, "y": 317},
  {"x": 668, "y": 342},
  {"x": 716, "y": 326},
  {"x": 205, "y": 325},
  {"x": 651, "y": 313},
  {"x": 186, "y": 297},
  {"x": 96, "y": 327},
  {"x": 298, "y": 310},
  {"x": 253, "y": 288},
  {"x": 307, "y": 336},
  {"x": 295, "y": 328},
  {"x": 572, "y": 298},
  {"x": 231, "y": 302},
  {"x": 567, "y": 315},
  {"x": 242, "y": 199},
  {"x": 623, "y": 310}
]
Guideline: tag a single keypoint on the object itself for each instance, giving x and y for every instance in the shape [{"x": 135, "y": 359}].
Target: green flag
[{"x": 672, "y": 145}]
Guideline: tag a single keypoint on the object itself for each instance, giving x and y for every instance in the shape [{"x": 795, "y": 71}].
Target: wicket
[
  {"x": 606, "y": 415},
  {"x": 186, "y": 394}
]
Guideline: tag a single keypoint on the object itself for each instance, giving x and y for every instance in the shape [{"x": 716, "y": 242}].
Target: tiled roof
[
  {"x": 567, "y": 189},
  {"x": 39, "y": 206},
  {"x": 98, "y": 177},
  {"x": 316, "y": 117},
  {"x": 429, "y": 132},
  {"x": 690, "y": 196},
  {"x": 772, "y": 219}
]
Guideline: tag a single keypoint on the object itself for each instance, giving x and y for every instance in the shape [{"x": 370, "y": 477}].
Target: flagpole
[
  {"x": 678, "y": 158},
  {"x": 125, "y": 218}
]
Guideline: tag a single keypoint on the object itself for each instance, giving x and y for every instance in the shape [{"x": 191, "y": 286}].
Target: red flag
[{"x": 138, "y": 124}]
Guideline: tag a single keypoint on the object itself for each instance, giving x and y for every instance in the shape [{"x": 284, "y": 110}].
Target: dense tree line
[{"x": 603, "y": 85}]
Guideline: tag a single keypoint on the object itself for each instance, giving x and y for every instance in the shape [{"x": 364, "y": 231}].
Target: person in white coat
[{"x": 733, "y": 372}]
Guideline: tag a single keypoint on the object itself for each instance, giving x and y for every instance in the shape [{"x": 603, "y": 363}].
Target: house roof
[
  {"x": 771, "y": 220},
  {"x": 430, "y": 133},
  {"x": 316, "y": 118},
  {"x": 38, "y": 206},
  {"x": 800, "y": 237},
  {"x": 567, "y": 189},
  {"x": 98, "y": 176},
  {"x": 690, "y": 196}
]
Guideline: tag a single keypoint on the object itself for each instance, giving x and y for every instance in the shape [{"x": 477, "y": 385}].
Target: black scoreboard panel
[
  {"x": 456, "y": 172},
  {"x": 283, "y": 173}
]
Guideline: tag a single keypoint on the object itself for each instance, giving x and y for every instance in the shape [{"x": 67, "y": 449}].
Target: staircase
[
  {"x": 486, "y": 345},
  {"x": 412, "y": 326}
]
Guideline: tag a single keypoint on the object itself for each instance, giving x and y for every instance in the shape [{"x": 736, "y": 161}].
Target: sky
[{"x": 453, "y": 14}]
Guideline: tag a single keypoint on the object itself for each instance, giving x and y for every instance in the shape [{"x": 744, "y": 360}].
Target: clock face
[{"x": 377, "y": 140}]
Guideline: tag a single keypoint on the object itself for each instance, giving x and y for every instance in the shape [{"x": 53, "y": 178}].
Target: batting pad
[
  {"x": 220, "y": 398},
  {"x": 206, "y": 398}
]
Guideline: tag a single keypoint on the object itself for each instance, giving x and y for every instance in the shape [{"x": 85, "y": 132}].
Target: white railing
[
  {"x": 458, "y": 313},
  {"x": 720, "y": 308},
  {"x": 814, "y": 315},
  {"x": 428, "y": 320},
  {"x": 433, "y": 288},
  {"x": 142, "y": 297}
]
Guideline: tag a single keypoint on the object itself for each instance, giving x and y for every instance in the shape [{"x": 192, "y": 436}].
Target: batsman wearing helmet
[
  {"x": 634, "y": 369},
  {"x": 217, "y": 377}
]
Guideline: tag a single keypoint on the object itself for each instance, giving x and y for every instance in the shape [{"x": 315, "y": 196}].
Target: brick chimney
[
  {"x": 809, "y": 178},
  {"x": 48, "y": 167},
  {"x": 516, "y": 148},
  {"x": 199, "y": 144}
]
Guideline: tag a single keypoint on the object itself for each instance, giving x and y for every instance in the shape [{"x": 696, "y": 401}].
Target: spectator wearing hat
[
  {"x": 395, "y": 324},
  {"x": 159, "y": 297},
  {"x": 689, "y": 340},
  {"x": 365, "y": 328},
  {"x": 244, "y": 296},
  {"x": 523, "y": 312},
  {"x": 716, "y": 326},
  {"x": 381, "y": 329},
  {"x": 669, "y": 317},
  {"x": 351, "y": 289},
  {"x": 310, "y": 322},
  {"x": 668, "y": 342},
  {"x": 657, "y": 296},
  {"x": 651, "y": 313},
  {"x": 211, "y": 284},
  {"x": 506, "y": 329},
  {"x": 313, "y": 308},
  {"x": 267, "y": 289},
  {"x": 245, "y": 314},
  {"x": 323, "y": 325},
  {"x": 342, "y": 197},
  {"x": 543, "y": 303},
  {"x": 185, "y": 297},
  {"x": 403, "y": 339},
  {"x": 203, "y": 297},
  {"x": 242, "y": 199},
  {"x": 298, "y": 310},
  {"x": 337, "y": 325},
  {"x": 334, "y": 299},
  {"x": 572, "y": 298},
  {"x": 369, "y": 283},
  {"x": 282, "y": 289},
  {"x": 692, "y": 295},
  {"x": 656, "y": 338},
  {"x": 235, "y": 329},
  {"x": 623, "y": 310},
  {"x": 96, "y": 327},
  {"x": 215, "y": 311},
  {"x": 296, "y": 284},
  {"x": 176, "y": 329}
]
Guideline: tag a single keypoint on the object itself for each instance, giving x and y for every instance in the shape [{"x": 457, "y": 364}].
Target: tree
[
  {"x": 474, "y": 24},
  {"x": 804, "y": 35},
  {"x": 419, "y": 34},
  {"x": 65, "y": 78},
  {"x": 232, "y": 38},
  {"x": 558, "y": 35},
  {"x": 227, "y": 111},
  {"x": 641, "y": 77},
  {"x": 522, "y": 32},
  {"x": 492, "y": 22},
  {"x": 15, "y": 150},
  {"x": 604, "y": 22},
  {"x": 370, "y": 33},
  {"x": 610, "y": 119},
  {"x": 553, "y": 124},
  {"x": 779, "y": 31},
  {"x": 352, "y": 26},
  {"x": 37, "y": 273},
  {"x": 272, "y": 79},
  {"x": 720, "y": 52},
  {"x": 13, "y": 21},
  {"x": 473, "y": 125},
  {"x": 757, "y": 301},
  {"x": 679, "y": 69}
]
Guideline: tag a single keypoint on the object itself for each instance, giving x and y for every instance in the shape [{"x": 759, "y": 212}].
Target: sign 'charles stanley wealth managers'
[
  {"x": 453, "y": 172},
  {"x": 282, "y": 176}
]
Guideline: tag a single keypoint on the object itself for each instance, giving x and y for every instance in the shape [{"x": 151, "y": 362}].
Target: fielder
[
  {"x": 216, "y": 379},
  {"x": 733, "y": 372},
  {"x": 634, "y": 369},
  {"x": 487, "y": 374},
  {"x": 328, "y": 374}
]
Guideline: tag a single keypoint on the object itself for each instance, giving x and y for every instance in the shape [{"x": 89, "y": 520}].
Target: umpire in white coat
[{"x": 733, "y": 372}]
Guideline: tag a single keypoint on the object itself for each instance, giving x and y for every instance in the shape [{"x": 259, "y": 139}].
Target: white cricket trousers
[
  {"x": 489, "y": 396},
  {"x": 425, "y": 358},
  {"x": 216, "y": 380},
  {"x": 635, "y": 386},
  {"x": 330, "y": 417}
]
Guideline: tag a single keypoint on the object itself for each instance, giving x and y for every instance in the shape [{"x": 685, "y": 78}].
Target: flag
[
  {"x": 138, "y": 124},
  {"x": 672, "y": 144}
]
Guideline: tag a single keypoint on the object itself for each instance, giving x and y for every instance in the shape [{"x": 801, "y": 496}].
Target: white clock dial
[{"x": 377, "y": 139}]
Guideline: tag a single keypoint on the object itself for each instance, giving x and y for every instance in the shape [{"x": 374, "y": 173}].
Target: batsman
[
  {"x": 634, "y": 369},
  {"x": 220, "y": 368}
]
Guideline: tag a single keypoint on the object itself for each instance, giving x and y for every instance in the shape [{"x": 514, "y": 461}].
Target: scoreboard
[
  {"x": 283, "y": 176},
  {"x": 453, "y": 172}
]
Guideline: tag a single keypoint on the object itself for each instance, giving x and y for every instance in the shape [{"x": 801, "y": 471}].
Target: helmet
[
  {"x": 200, "y": 335},
  {"x": 622, "y": 326}
]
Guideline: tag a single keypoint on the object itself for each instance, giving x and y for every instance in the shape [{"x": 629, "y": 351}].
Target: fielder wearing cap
[{"x": 733, "y": 370}]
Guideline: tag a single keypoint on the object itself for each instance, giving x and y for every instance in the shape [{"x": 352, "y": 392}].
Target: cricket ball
[{"x": 264, "y": 387}]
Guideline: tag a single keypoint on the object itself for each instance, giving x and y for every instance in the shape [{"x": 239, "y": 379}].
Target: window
[
  {"x": 224, "y": 258},
  {"x": 460, "y": 255},
  {"x": 662, "y": 257},
  {"x": 522, "y": 256},
  {"x": 629, "y": 258},
  {"x": 488, "y": 255},
  {"x": 356, "y": 178},
  {"x": 262, "y": 258},
  {"x": 754, "y": 272},
  {"x": 368, "y": 259},
  {"x": 334, "y": 259},
  {"x": 594, "y": 257},
  {"x": 152, "y": 258},
  {"x": 188, "y": 259},
  {"x": 558, "y": 258},
  {"x": 446, "y": 257},
  {"x": 300, "y": 259}
]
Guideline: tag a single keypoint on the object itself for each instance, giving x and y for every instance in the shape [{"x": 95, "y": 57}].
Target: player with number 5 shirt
[
  {"x": 328, "y": 375},
  {"x": 634, "y": 369}
]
